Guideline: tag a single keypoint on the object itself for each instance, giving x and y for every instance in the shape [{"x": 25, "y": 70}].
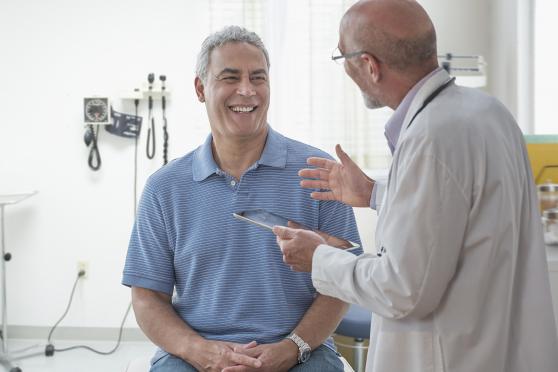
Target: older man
[
  {"x": 460, "y": 281},
  {"x": 237, "y": 306}
]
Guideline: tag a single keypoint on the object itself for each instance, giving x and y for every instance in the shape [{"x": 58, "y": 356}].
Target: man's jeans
[{"x": 323, "y": 359}]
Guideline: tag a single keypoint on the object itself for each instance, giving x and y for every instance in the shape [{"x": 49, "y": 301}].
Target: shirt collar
[
  {"x": 203, "y": 164},
  {"x": 274, "y": 154},
  {"x": 395, "y": 123}
]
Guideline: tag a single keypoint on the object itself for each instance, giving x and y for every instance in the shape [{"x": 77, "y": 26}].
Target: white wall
[
  {"x": 461, "y": 26},
  {"x": 53, "y": 53},
  {"x": 491, "y": 29},
  {"x": 503, "y": 37}
]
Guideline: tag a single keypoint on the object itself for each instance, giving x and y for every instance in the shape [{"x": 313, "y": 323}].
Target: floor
[{"x": 80, "y": 359}]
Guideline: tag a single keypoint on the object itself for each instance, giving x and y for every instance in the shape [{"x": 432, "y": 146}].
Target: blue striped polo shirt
[{"x": 230, "y": 280}]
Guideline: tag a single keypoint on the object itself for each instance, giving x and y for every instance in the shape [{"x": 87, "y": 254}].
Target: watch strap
[{"x": 303, "y": 347}]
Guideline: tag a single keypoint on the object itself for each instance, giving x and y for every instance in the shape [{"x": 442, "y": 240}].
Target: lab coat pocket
[{"x": 410, "y": 351}]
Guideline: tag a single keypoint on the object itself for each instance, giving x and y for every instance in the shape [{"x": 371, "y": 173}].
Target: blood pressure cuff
[{"x": 124, "y": 125}]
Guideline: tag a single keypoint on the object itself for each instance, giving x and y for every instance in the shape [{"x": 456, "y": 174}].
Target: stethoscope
[
  {"x": 431, "y": 97},
  {"x": 150, "y": 145}
]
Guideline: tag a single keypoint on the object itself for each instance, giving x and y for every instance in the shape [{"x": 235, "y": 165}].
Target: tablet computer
[
  {"x": 262, "y": 218},
  {"x": 265, "y": 219}
]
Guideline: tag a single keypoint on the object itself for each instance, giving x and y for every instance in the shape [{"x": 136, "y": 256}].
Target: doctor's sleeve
[
  {"x": 377, "y": 195},
  {"x": 423, "y": 230},
  {"x": 338, "y": 219}
]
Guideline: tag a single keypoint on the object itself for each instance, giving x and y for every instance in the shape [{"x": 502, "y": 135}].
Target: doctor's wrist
[{"x": 362, "y": 193}]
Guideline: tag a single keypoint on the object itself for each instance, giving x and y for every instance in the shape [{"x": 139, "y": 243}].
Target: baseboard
[{"x": 76, "y": 333}]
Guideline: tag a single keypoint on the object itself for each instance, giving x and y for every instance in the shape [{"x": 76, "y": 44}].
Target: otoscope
[
  {"x": 150, "y": 146},
  {"x": 163, "y": 78}
]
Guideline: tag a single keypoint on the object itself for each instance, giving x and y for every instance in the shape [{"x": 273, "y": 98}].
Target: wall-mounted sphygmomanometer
[{"x": 96, "y": 112}]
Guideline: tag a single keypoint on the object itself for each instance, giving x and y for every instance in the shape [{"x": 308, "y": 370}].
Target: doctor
[{"x": 460, "y": 281}]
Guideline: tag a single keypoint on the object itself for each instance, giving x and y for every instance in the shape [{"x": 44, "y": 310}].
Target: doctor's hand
[
  {"x": 345, "y": 181},
  {"x": 330, "y": 240},
  {"x": 298, "y": 246}
]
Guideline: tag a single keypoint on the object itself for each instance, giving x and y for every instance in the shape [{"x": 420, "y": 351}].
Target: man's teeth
[{"x": 243, "y": 108}]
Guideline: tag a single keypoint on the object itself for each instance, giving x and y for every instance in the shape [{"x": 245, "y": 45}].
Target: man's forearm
[
  {"x": 321, "y": 320},
  {"x": 162, "y": 325}
]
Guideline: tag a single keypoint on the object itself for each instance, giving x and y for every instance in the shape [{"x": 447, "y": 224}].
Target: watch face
[
  {"x": 96, "y": 110},
  {"x": 305, "y": 355}
]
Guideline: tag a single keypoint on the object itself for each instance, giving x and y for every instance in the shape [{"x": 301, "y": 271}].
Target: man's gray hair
[{"x": 229, "y": 34}]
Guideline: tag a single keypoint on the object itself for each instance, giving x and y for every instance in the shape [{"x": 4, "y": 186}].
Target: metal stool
[
  {"x": 8, "y": 358},
  {"x": 356, "y": 324}
]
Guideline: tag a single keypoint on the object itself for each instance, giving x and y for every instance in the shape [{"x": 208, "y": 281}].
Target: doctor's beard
[{"x": 370, "y": 102}]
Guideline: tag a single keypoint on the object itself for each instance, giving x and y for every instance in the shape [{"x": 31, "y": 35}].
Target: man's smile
[{"x": 243, "y": 108}]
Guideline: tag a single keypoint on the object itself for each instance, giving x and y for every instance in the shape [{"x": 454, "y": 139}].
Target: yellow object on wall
[{"x": 543, "y": 154}]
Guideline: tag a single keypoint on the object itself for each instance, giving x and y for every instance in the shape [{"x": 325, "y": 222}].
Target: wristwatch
[{"x": 304, "y": 349}]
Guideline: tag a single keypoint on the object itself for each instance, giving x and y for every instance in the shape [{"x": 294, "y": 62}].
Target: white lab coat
[{"x": 463, "y": 283}]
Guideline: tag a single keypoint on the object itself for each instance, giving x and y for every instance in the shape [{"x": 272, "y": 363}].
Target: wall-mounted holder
[
  {"x": 151, "y": 91},
  {"x": 144, "y": 92}
]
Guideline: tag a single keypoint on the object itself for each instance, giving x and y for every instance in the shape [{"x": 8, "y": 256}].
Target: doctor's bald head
[{"x": 398, "y": 32}]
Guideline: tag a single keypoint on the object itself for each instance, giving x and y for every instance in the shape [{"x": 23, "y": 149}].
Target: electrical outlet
[{"x": 83, "y": 265}]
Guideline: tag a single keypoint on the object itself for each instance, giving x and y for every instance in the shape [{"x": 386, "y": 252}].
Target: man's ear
[
  {"x": 198, "y": 84},
  {"x": 373, "y": 66}
]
